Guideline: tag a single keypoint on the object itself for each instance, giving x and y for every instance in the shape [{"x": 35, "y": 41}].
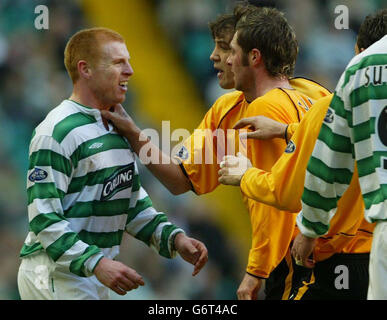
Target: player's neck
[
  {"x": 83, "y": 95},
  {"x": 263, "y": 84}
]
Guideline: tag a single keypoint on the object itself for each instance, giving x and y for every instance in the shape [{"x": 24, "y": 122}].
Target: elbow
[
  {"x": 180, "y": 186},
  {"x": 178, "y": 189},
  {"x": 290, "y": 206}
]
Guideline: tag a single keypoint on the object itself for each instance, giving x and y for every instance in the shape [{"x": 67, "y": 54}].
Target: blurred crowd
[
  {"x": 33, "y": 80},
  {"x": 324, "y": 51}
]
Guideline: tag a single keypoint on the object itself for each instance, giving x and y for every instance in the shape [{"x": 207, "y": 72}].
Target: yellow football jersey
[
  {"x": 282, "y": 187},
  {"x": 272, "y": 230}
]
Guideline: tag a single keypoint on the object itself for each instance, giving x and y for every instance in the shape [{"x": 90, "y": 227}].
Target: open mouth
[
  {"x": 220, "y": 72},
  {"x": 124, "y": 85}
]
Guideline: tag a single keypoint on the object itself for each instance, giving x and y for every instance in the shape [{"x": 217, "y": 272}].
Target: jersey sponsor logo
[
  {"x": 96, "y": 145},
  {"x": 290, "y": 147},
  {"x": 118, "y": 181},
  {"x": 37, "y": 175},
  {"x": 183, "y": 153},
  {"x": 329, "y": 116}
]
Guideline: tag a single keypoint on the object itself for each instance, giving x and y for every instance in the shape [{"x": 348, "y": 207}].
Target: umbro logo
[{"x": 96, "y": 145}]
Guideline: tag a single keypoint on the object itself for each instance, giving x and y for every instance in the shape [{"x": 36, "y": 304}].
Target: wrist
[
  {"x": 285, "y": 133},
  {"x": 99, "y": 264},
  {"x": 175, "y": 239},
  {"x": 132, "y": 131},
  {"x": 255, "y": 276},
  {"x": 308, "y": 239}
]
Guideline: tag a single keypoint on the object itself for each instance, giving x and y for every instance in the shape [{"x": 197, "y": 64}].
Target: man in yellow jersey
[
  {"x": 262, "y": 65},
  {"x": 349, "y": 239},
  {"x": 286, "y": 105}
]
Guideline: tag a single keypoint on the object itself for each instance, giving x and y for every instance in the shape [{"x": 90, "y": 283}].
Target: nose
[
  {"x": 229, "y": 61},
  {"x": 214, "y": 55},
  {"x": 128, "y": 70}
]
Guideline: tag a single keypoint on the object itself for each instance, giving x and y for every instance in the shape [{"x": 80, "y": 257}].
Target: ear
[
  {"x": 84, "y": 69},
  {"x": 255, "y": 57}
]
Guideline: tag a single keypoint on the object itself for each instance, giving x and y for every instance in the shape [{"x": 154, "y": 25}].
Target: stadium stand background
[{"x": 174, "y": 80}]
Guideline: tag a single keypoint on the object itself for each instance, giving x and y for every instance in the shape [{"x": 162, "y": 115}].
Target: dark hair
[
  {"x": 222, "y": 25},
  {"x": 226, "y": 23},
  {"x": 267, "y": 30},
  {"x": 373, "y": 28}
]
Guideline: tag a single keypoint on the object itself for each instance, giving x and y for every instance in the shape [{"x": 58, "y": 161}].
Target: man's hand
[
  {"x": 301, "y": 250},
  {"x": 192, "y": 251},
  {"x": 263, "y": 128},
  {"x": 232, "y": 169},
  {"x": 121, "y": 120},
  {"x": 117, "y": 276},
  {"x": 249, "y": 288}
]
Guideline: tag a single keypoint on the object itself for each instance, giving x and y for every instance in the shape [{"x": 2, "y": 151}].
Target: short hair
[
  {"x": 226, "y": 23},
  {"x": 85, "y": 45},
  {"x": 267, "y": 30},
  {"x": 373, "y": 28},
  {"x": 223, "y": 25}
]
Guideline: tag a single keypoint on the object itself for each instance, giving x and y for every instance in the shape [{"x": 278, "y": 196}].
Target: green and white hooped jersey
[
  {"x": 354, "y": 130},
  {"x": 84, "y": 191}
]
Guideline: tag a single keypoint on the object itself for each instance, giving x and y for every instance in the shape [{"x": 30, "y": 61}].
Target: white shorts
[
  {"x": 40, "y": 279},
  {"x": 377, "y": 288}
]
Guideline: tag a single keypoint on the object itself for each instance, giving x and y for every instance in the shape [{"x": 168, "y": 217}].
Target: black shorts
[
  {"x": 285, "y": 280},
  {"x": 340, "y": 277}
]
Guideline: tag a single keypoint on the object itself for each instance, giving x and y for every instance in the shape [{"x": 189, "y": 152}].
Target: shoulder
[
  {"x": 227, "y": 101},
  {"x": 59, "y": 126},
  {"x": 221, "y": 107},
  {"x": 275, "y": 96},
  {"x": 55, "y": 117},
  {"x": 309, "y": 87},
  {"x": 374, "y": 54}
]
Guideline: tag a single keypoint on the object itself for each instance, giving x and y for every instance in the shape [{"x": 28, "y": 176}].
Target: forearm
[
  {"x": 162, "y": 166},
  {"x": 269, "y": 188},
  {"x": 150, "y": 226}
]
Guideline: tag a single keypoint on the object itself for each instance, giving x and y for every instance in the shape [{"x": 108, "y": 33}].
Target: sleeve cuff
[
  {"x": 303, "y": 229},
  {"x": 255, "y": 276},
  {"x": 171, "y": 244},
  {"x": 91, "y": 263}
]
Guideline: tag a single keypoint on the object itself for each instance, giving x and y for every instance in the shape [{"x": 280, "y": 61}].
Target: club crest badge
[
  {"x": 290, "y": 147},
  {"x": 183, "y": 153},
  {"x": 329, "y": 116}
]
